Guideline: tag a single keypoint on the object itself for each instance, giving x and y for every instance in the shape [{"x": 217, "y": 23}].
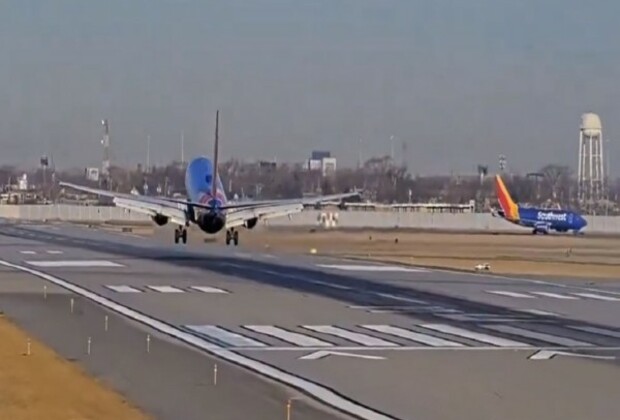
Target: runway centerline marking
[
  {"x": 123, "y": 289},
  {"x": 373, "y": 268},
  {"x": 510, "y": 294},
  {"x": 166, "y": 289},
  {"x": 555, "y": 295},
  {"x": 598, "y": 297},
  {"x": 73, "y": 263}
]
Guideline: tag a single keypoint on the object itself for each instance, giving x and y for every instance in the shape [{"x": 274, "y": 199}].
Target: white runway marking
[
  {"x": 124, "y": 289},
  {"x": 412, "y": 335},
  {"x": 359, "y": 338},
  {"x": 562, "y": 341},
  {"x": 207, "y": 289},
  {"x": 73, "y": 263},
  {"x": 472, "y": 335},
  {"x": 319, "y": 392},
  {"x": 166, "y": 289},
  {"x": 555, "y": 295},
  {"x": 288, "y": 336},
  {"x": 598, "y": 331},
  {"x": 380, "y": 268},
  {"x": 54, "y": 252},
  {"x": 332, "y": 285},
  {"x": 224, "y": 336},
  {"x": 598, "y": 297},
  {"x": 400, "y": 298},
  {"x": 510, "y": 294},
  {"x": 28, "y": 252},
  {"x": 538, "y": 312}
]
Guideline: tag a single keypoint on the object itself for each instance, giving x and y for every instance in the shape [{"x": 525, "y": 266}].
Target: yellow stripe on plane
[{"x": 510, "y": 208}]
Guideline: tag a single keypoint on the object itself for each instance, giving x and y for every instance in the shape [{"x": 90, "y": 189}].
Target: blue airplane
[
  {"x": 539, "y": 220},
  {"x": 207, "y": 205}
]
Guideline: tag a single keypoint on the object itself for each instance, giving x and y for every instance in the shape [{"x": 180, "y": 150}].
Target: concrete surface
[{"x": 416, "y": 344}]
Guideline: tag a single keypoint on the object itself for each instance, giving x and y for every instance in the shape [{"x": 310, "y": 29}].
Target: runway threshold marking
[
  {"x": 123, "y": 289},
  {"x": 312, "y": 389},
  {"x": 472, "y": 335},
  {"x": 510, "y": 294},
  {"x": 359, "y": 338},
  {"x": 553, "y": 339}
]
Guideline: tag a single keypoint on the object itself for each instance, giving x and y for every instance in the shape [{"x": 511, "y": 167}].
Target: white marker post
[
  {"x": 148, "y": 343},
  {"x": 105, "y": 323},
  {"x": 215, "y": 374},
  {"x": 289, "y": 407},
  {"x": 44, "y": 291},
  {"x": 28, "y": 348},
  {"x": 72, "y": 304},
  {"x": 88, "y": 346}
]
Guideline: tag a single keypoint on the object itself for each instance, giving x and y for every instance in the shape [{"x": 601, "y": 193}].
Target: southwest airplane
[
  {"x": 539, "y": 220},
  {"x": 207, "y": 206}
]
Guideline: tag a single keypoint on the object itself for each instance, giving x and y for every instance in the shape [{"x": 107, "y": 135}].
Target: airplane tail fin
[
  {"x": 509, "y": 207},
  {"x": 215, "y": 155}
]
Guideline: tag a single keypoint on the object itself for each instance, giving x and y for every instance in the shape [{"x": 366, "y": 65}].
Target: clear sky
[{"x": 460, "y": 81}]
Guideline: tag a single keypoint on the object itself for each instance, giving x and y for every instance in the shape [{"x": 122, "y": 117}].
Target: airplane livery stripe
[{"x": 509, "y": 207}]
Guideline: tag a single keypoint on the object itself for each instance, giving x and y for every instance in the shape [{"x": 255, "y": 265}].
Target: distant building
[
  {"x": 328, "y": 166},
  {"x": 320, "y": 154}
]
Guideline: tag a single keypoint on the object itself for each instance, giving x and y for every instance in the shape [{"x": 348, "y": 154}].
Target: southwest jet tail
[
  {"x": 207, "y": 205},
  {"x": 539, "y": 220}
]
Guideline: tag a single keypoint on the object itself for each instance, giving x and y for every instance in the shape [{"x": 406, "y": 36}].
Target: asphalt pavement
[{"x": 375, "y": 341}]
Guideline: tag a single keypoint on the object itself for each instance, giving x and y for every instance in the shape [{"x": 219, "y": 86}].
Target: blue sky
[{"x": 459, "y": 81}]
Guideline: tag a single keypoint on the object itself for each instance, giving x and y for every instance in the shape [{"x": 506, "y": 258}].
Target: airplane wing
[
  {"x": 178, "y": 210},
  {"x": 292, "y": 201},
  {"x": 239, "y": 217}
]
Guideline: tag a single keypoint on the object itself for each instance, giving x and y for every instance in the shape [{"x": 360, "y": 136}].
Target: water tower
[{"x": 591, "y": 174}]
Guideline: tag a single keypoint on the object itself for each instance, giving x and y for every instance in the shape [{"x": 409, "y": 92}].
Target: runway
[{"x": 372, "y": 341}]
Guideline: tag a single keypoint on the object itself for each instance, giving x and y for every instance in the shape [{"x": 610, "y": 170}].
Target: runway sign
[{"x": 376, "y": 268}]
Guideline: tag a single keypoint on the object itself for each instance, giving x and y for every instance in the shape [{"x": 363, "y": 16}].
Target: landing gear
[
  {"x": 232, "y": 235},
  {"x": 180, "y": 234}
]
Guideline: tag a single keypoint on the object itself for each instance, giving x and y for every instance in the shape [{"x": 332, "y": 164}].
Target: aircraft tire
[
  {"x": 236, "y": 238},
  {"x": 184, "y": 236}
]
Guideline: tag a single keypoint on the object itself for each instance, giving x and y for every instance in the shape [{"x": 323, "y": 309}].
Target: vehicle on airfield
[
  {"x": 207, "y": 205},
  {"x": 539, "y": 220}
]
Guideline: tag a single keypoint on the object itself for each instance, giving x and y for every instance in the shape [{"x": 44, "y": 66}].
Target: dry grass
[
  {"x": 44, "y": 386},
  {"x": 553, "y": 255}
]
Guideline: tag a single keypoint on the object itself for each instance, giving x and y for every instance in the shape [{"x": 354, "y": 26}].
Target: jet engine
[
  {"x": 160, "y": 219},
  {"x": 250, "y": 223}
]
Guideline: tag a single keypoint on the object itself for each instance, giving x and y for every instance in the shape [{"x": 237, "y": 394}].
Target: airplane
[
  {"x": 207, "y": 205},
  {"x": 539, "y": 220}
]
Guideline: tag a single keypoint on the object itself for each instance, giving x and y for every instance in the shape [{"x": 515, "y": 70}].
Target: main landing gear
[
  {"x": 180, "y": 234},
  {"x": 232, "y": 235}
]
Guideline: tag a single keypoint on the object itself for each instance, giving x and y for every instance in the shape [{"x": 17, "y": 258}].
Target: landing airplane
[
  {"x": 539, "y": 220},
  {"x": 207, "y": 205}
]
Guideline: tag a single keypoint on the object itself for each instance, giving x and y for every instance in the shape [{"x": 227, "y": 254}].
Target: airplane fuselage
[
  {"x": 199, "y": 185},
  {"x": 544, "y": 220}
]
